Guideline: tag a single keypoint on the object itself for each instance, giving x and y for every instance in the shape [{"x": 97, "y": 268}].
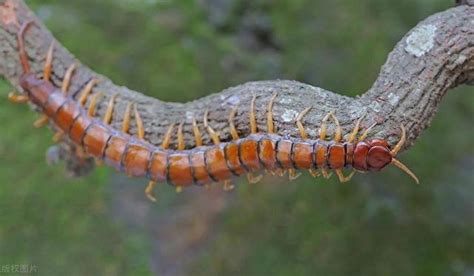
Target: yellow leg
[
  {"x": 110, "y": 110},
  {"x": 343, "y": 178},
  {"x": 314, "y": 172},
  {"x": 270, "y": 125},
  {"x": 93, "y": 104},
  {"x": 67, "y": 78},
  {"x": 181, "y": 145},
  {"x": 252, "y": 117},
  {"x": 252, "y": 179},
  {"x": 338, "y": 134},
  {"x": 179, "y": 189},
  {"x": 228, "y": 186},
  {"x": 325, "y": 173},
  {"x": 293, "y": 174},
  {"x": 149, "y": 191},
  {"x": 214, "y": 135},
  {"x": 400, "y": 143},
  {"x": 87, "y": 91},
  {"x": 197, "y": 133},
  {"x": 233, "y": 130},
  {"x": 139, "y": 122},
  {"x": 126, "y": 118},
  {"x": 366, "y": 132},
  {"x": 354, "y": 132},
  {"x": 58, "y": 136},
  {"x": 166, "y": 141},
  {"x": 48, "y": 65},
  {"x": 300, "y": 126},
  {"x": 41, "y": 121},
  {"x": 17, "y": 98},
  {"x": 323, "y": 129}
]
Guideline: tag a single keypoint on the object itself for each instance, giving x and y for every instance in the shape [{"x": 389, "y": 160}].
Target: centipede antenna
[
  {"x": 400, "y": 143},
  {"x": 197, "y": 133},
  {"x": 405, "y": 169},
  {"x": 270, "y": 124},
  {"x": 48, "y": 65},
  {"x": 126, "y": 118},
  {"x": 139, "y": 122},
  {"x": 149, "y": 191},
  {"x": 252, "y": 118},
  {"x": 67, "y": 78},
  {"x": 214, "y": 136},
  {"x": 21, "y": 46},
  {"x": 366, "y": 132},
  {"x": 41, "y": 121},
  {"x": 299, "y": 124},
  {"x": 353, "y": 135},
  {"x": 233, "y": 130},
  {"x": 17, "y": 98},
  {"x": 338, "y": 134},
  {"x": 180, "y": 137},
  {"x": 110, "y": 110}
]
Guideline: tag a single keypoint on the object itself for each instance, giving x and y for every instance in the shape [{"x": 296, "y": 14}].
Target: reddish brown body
[{"x": 203, "y": 164}]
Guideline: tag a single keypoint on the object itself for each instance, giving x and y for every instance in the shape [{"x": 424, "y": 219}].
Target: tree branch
[{"x": 435, "y": 56}]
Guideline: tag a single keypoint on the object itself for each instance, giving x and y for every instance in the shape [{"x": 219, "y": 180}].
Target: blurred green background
[{"x": 378, "y": 224}]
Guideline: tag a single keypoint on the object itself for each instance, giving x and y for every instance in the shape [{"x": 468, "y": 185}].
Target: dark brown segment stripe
[
  {"x": 217, "y": 164},
  {"x": 349, "y": 149},
  {"x": 232, "y": 157},
  {"x": 78, "y": 128},
  {"x": 303, "y": 155},
  {"x": 158, "y": 167},
  {"x": 54, "y": 102},
  {"x": 95, "y": 139},
  {"x": 136, "y": 160},
  {"x": 201, "y": 175},
  {"x": 248, "y": 151},
  {"x": 267, "y": 153},
  {"x": 114, "y": 151},
  {"x": 179, "y": 170},
  {"x": 284, "y": 154},
  {"x": 66, "y": 114}
]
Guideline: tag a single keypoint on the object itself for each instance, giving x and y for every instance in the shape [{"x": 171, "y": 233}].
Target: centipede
[{"x": 220, "y": 162}]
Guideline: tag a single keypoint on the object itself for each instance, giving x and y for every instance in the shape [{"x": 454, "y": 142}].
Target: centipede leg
[
  {"x": 325, "y": 173},
  {"x": 110, "y": 110},
  {"x": 93, "y": 104},
  {"x": 323, "y": 128},
  {"x": 270, "y": 124},
  {"x": 67, "y": 78},
  {"x": 149, "y": 191},
  {"x": 17, "y": 98},
  {"x": 343, "y": 178},
  {"x": 166, "y": 141},
  {"x": 252, "y": 116},
  {"x": 299, "y": 124},
  {"x": 197, "y": 133},
  {"x": 48, "y": 65},
  {"x": 139, "y": 122},
  {"x": 233, "y": 131},
  {"x": 181, "y": 145},
  {"x": 58, "y": 136},
  {"x": 252, "y": 179},
  {"x": 87, "y": 91},
  {"x": 293, "y": 174},
  {"x": 354, "y": 132},
  {"x": 314, "y": 172},
  {"x": 366, "y": 132},
  {"x": 41, "y": 121},
  {"x": 400, "y": 143},
  {"x": 126, "y": 118},
  {"x": 338, "y": 133},
  {"x": 212, "y": 133}
]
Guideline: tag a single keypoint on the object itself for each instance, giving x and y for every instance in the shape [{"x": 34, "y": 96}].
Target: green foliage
[{"x": 178, "y": 51}]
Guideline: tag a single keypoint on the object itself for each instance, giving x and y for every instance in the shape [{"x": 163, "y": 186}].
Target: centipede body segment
[{"x": 201, "y": 165}]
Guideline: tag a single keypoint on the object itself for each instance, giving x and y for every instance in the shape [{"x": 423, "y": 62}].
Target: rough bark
[{"x": 435, "y": 56}]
